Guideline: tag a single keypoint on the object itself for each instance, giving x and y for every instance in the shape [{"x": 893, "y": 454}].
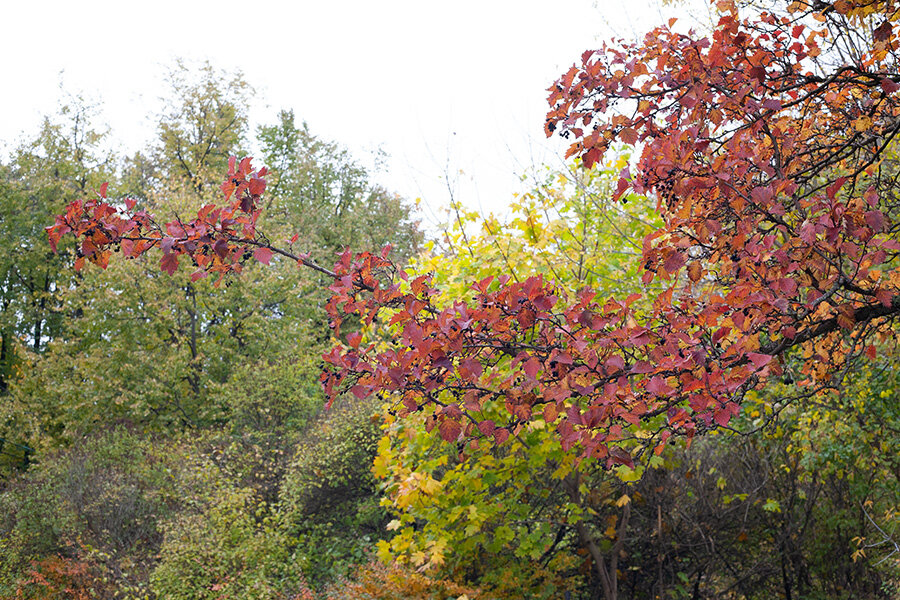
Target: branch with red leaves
[
  {"x": 781, "y": 233},
  {"x": 596, "y": 368},
  {"x": 217, "y": 240}
]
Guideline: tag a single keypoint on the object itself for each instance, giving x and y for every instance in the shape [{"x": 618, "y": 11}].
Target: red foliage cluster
[
  {"x": 217, "y": 240},
  {"x": 58, "y": 577},
  {"x": 780, "y": 231}
]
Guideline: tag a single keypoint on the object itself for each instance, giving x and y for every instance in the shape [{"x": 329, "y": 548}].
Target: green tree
[
  {"x": 327, "y": 197},
  {"x": 164, "y": 342},
  {"x": 64, "y": 161},
  {"x": 204, "y": 122},
  {"x": 330, "y": 498},
  {"x": 172, "y": 346},
  {"x": 236, "y": 366}
]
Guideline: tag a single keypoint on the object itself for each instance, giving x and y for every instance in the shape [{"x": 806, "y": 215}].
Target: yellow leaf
[
  {"x": 431, "y": 486},
  {"x": 623, "y": 500},
  {"x": 627, "y": 475},
  {"x": 384, "y": 551}
]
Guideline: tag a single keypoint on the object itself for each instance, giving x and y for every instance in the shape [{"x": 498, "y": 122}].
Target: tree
[
  {"x": 175, "y": 347},
  {"x": 203, "y": 124},
  {"x": 98, "y": 508},
  {"x": 774, "y": 512},
  {"x": 514, "y": 517},
  {"x": 164, "y": 341},
  {"x": 779, "y": 237},
  {"x": 63, "y": 162},
  {"x": 321, "y": 191}
]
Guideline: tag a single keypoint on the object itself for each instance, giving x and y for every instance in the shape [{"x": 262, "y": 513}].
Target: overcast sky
[{"x": 444, "y": 88}]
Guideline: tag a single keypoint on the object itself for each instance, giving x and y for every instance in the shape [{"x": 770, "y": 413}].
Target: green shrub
[{"x": 330, "y": 498}]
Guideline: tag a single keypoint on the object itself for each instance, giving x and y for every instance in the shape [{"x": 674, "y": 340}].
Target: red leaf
[
  {"x": 722, "y": 416},
  {"x": 657, "y": 386},
  {"x": 263, "y": 255},
  {"x": 759, "y": 360},
  {"x": 673, "y": 262},
  {"x": 889, "y": 85},
  {"x": 621, "y": 457},
  {"x": 483, "y": 285},
  {"x": 758, "y": 73},
  {"x": 621, "y": 188},
  {"x": 449, "y": 430},
  {"x": 130, "y": 203},
  {"x": 833, "y": 189},
  {"x": 788, "y": 286},
  {"x": 875, "y": 220},
  {"x": 615, "y": 362},
  {"x": 628, "y": 135},
  {"x": 592, "y": 157},
  {"x": 228, "y": 189},
  {"x": 354, "y": 339},
  {"x": 641, "y": 367},
  {"x": 487, "y": 427},
  {"x": 169, "y": 263},
  {"x": 500, "y": 435},
  {"x": 550, "y": 412},
  {"x": 695, "y": 271},
  {"x": 257, "y": 186},
  {"x": 762, "y": 195},
  {"x": 221, "y": 248},
  {"x": 103, "y": 189}
]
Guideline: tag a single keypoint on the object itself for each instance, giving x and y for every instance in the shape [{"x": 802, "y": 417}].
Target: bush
[
  {"x": 233, "y": 548},
  {"x": 377, "y": 581},
  {"x": 330, "y": 498},
  {"x": 101, "y": 502}
]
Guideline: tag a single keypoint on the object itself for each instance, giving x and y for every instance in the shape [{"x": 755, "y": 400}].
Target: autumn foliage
[
  {"x": 58, "y": 577},
  {"x": 770, "y": 153}
]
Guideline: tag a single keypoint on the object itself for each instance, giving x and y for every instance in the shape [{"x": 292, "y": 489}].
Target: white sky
[{"x": 443, "y": 87}]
